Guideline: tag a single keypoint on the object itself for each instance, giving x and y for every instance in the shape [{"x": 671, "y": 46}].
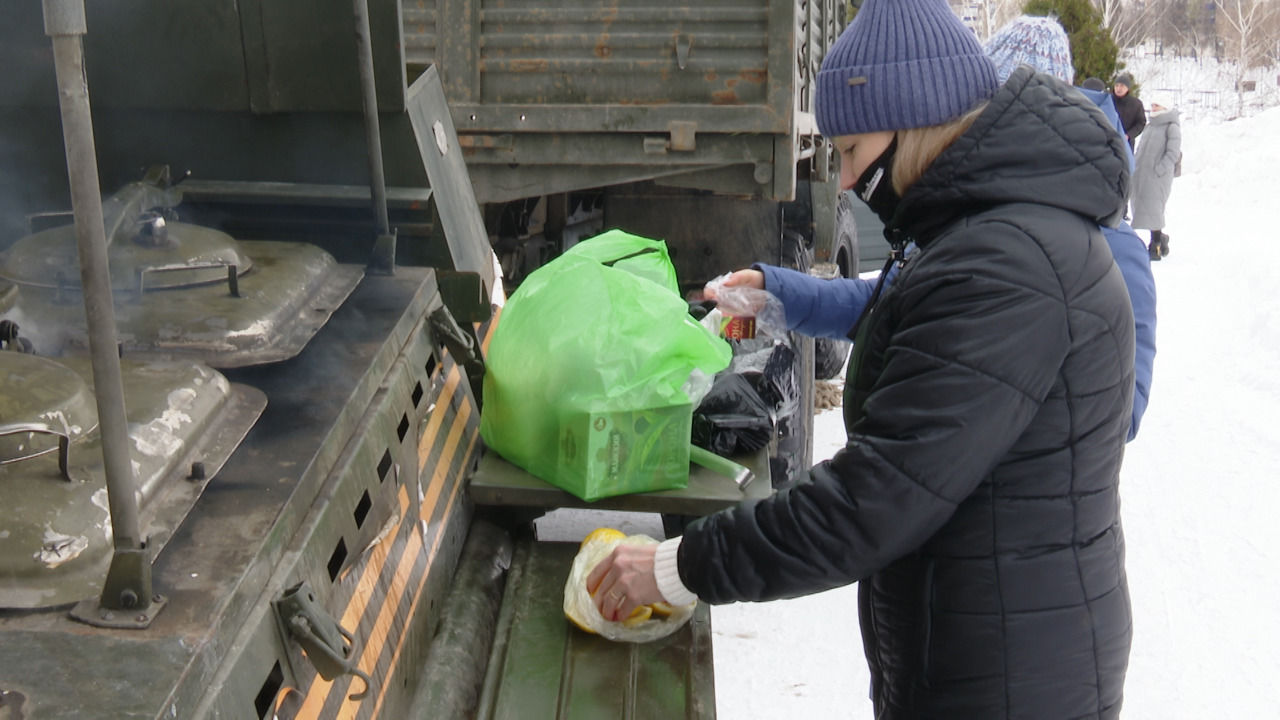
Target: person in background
[
  {"x": 1042, "y": 43},
  {"x": 1132, "y": 115},
  {"x": 987, "y": 401},
  {"x": 1158, "y": 154},
  {"x": 1096, "y": 90}
]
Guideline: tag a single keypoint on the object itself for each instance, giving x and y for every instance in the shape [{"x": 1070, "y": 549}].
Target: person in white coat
[{"x": 1159, "y": 155}]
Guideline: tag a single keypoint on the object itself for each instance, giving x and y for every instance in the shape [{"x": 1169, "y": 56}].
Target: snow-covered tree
[{"x": 1247, "y": 28}]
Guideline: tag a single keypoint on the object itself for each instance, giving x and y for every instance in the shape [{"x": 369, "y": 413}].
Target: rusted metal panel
[
  {"x": 607, "y": 55},
  {"x": 420, "y": 38},
  {"x": 597, "y": 80},
  {"x": 593, "y": 149},
  {"x": 625, "y": 52}
]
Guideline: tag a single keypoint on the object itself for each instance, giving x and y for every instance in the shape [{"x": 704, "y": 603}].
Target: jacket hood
[
  {"x": 1038, "y": 141},
  {"x": 1162, "y": 117}
]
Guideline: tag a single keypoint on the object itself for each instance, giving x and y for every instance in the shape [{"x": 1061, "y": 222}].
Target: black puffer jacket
[
  {"x": 987, "y": 404},
  {"x": 1132, "y": 116}
]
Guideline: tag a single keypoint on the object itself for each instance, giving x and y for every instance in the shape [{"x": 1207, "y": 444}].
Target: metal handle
[
  {"x": 233, "y": 277},
  {"x": 64, "y": 444}
]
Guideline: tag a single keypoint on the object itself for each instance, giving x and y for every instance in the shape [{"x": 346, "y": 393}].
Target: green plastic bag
[
  {"x": 637, "y": 255},
  {"x": 590, "y": 372}
]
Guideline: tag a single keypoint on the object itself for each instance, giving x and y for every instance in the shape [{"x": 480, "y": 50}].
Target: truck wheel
[
  {"x": 829, "y": 354},
  {"x": 791, "y": 452}
]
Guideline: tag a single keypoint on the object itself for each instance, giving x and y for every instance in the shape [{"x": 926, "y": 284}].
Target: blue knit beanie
[
  {"x": 901, "y": 64},
  {"x": 1036, "y": 41}
]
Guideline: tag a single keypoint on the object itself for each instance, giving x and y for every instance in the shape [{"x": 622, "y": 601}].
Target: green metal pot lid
[
  {"x": 148, "y": 249},
  {"x": 42, "y": 402},
  {"x": 149, "y": 254},
  {"x": 56, "y": 537}
]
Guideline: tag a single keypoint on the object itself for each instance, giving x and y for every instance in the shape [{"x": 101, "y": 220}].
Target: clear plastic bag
[
  {"x": 748, "y": 302},
  {"x": 580, "y": 608}
]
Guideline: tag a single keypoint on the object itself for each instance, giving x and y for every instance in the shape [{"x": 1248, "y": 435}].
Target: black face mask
[{"x": 875, "y": 186}]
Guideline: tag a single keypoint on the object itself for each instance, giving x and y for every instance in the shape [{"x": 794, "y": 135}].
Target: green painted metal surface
[
  {"x": 292, "y": 291},
  {"x": 661, "y": 89},
  {"x": 189, "y": 255},
  {"x": 355, "y": 478},
  {"x": 498, "y": 482},
  {"x": 451, "y": 188},
  {"x": 542, "y": 666},
  {"x": 601, "y": 83},
  {"x": 45, "y": 394},
  {"x": 55, "y": 534},
  {"x": 274, "y": 514},
  {"x": 215, "y": 55},
  {"x": 8, "y": 295}
]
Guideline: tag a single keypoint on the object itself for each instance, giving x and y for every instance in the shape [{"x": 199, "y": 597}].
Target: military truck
[
  {"x": 240, "y": 468},
  {"x": 687, "y": 122},
  {"x": 692, "y": 123}
]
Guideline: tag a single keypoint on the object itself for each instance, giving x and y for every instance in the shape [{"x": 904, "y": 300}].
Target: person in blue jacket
[{"x": 830, "y": 308}]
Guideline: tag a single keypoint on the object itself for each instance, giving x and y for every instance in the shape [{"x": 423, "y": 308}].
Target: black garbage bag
[
  {"x": 732, "y": 419},
  {"x": 770, "y": 365},
  {"x": 777, "y": 382},
  {"x": 773, "y": 367}
]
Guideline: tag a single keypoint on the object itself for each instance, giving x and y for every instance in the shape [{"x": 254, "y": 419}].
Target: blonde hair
[{"x": 919, "y": 147}]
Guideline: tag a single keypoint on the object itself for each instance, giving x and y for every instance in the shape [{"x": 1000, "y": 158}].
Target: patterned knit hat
[
  {"x": 1036, "y": 41},
  {"x": 901, "y": 64}
]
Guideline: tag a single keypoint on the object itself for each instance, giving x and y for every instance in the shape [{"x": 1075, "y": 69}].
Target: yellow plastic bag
[{"x": 580, "y": 607}]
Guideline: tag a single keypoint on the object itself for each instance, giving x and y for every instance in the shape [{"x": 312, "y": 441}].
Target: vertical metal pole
[
  {"x": 128, "y": 581},
  {"x": 384, "y": 254}
]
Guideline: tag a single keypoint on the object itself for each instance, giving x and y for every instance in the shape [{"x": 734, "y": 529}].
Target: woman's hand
[
  {"x": 624, "y": 581},
  {"x": 741, "y": 278}
]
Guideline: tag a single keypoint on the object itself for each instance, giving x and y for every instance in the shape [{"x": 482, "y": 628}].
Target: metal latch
[
  {"x": 327, "y": 644},
  {"x": 462, "y": 345},
  {"x": 681, "y": 137}
]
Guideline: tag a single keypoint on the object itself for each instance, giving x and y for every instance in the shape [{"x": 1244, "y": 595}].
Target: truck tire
[
  {"x": 829, "y": 355},
  {"x": 791, "y": 452}
]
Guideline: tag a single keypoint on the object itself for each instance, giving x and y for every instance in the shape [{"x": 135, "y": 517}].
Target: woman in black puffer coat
[{"x": 987, "y": 400}]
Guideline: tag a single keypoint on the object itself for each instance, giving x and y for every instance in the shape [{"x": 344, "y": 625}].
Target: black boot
[
  {"x": 1153, "y": 247},
  {"x": 1164, "y": 244}
]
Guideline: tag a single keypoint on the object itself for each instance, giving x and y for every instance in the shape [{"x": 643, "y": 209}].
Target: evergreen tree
[{"x": 1093, "y": 51}]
